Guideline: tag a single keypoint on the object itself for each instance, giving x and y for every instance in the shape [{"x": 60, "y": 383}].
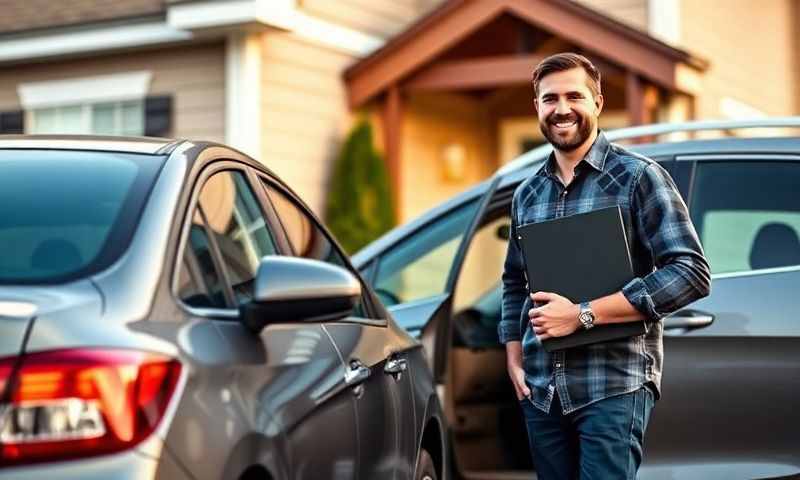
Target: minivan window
[
  {"x": 64, "y": 214},
  {"x": 748, "y": 214},
  {"x": 419, "y": 266}
]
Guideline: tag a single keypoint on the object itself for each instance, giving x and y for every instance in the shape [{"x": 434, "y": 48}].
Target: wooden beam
[
  {"x": 595, "y": 36},
  {"x": 476, "y": 73},
  {"x": 372, "y": 76},
  {"x": 392, "y": 121},
  {"x": 634, "y": 98}
]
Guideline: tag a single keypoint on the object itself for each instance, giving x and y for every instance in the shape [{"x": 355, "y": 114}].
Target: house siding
[
  {"x": 194, "y": 77},
  {"x": 753, "y": 53}
]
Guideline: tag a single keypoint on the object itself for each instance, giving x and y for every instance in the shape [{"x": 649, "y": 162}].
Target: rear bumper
[{"x": 122, "y": 466}]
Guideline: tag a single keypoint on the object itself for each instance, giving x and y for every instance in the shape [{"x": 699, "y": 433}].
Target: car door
[
  {"x": 730, "y": 387},
  {"x": 277, "y": 396},
  {"x": 373, "y": 351}
]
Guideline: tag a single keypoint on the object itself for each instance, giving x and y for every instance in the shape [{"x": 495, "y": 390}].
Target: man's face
[{"x": 567, "y": 109}]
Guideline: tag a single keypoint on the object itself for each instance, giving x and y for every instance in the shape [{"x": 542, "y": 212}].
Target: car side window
[
  {"x": 228, "y": 211},
  {"x": 747, "y": 214},
  {"x": 306, "y": 239},
  {"x": 199, "y": 281},
  {"x": 419, "y": 266}
]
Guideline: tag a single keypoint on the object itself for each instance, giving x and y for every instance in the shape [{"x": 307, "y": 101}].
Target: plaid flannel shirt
[{"x": 669, "y": 267}]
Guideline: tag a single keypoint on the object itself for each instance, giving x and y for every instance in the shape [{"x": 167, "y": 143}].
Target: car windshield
[{"x": 64, "y": 214}]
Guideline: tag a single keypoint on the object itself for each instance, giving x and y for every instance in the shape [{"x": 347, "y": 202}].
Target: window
[
  {"x": 306, "y": 239},
  {"x": 107, "y": 118},
  {"x": 748, "y": 214},
  {"x": 418, "y": 267},
  {"x": 65, "y": 214},
  {"x": 228, "y": 210}
]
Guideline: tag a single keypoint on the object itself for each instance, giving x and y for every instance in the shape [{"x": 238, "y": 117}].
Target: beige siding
[
  {"x": 752, "y": 50},
  {"x": 431, "y": 124},
  {"x": 305, "y": 114},
  {"x": 631, "y": 12},
  {"x": 194, "y": 76},
  {"x": 381, "y": 18}
]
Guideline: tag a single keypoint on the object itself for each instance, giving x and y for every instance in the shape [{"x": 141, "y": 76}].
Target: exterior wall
[
  {"x": 752, "y": 49},
  {"x": 194, "y": 76},
  {"x": 381, "y": 18},
  {"x": 432, "y": 124},
  {"x": 630, "y": 12},
  {"x": 305, "y": 117}
]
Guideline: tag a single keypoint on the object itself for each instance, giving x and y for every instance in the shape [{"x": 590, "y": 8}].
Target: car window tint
[
  {"x": 306, "y": 239},
  {"x": 199, "y": 282},
  {"x": 231, "y": 211},
  {"x": 418, "y": 267},
  {"x": 748, "y": 214}
]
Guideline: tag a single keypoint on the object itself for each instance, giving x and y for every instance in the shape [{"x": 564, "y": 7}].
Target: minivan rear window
[{"x": 68, "y": 213}]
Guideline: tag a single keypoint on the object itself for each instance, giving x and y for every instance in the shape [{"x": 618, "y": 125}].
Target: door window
[
  {"x": 308, "y": 240},
  {"x": 747, "y": 214},
  {"x": 227, "y": 214},
  {"x": 419, "y": 266}
]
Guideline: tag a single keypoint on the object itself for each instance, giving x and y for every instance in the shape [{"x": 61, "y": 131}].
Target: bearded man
[{"x": 587, "y": 408}]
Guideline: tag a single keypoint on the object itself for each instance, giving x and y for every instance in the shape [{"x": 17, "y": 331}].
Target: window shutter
[
  {"x": 12, "y": 122},
  {"x": 158, "y": 116}
]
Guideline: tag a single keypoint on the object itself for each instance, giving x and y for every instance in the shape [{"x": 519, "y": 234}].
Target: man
[{"x": 586, "y": 408}]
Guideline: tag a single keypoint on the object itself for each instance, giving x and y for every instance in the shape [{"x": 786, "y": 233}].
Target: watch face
[{"x": 586, "y": 318}]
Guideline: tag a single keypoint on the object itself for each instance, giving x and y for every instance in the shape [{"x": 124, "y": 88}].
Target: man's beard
[{"x": 585, "y": 126}]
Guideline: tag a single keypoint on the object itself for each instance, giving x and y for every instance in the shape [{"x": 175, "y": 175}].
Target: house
[{"x": 445, "y": 83}]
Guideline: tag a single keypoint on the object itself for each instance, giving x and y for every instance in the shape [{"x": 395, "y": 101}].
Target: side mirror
[{"x": 288, "y": 289}]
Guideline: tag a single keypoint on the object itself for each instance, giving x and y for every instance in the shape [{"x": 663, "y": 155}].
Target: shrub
[{"x": 360, "y": 206}]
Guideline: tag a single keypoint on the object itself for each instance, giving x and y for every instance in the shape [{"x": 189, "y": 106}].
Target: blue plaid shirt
[{"x": 669, "y": 266}]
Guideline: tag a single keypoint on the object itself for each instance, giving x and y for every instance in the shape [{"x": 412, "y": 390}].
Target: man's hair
[{"x": 566, "y": 61}]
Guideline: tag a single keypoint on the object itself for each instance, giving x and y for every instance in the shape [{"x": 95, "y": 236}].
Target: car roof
[{"x": 149, "y": 145}]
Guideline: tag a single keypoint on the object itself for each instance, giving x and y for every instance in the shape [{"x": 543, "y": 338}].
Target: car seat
[
  {"x": 56, "y": 255},
  {"x": 776, "y": 245}
]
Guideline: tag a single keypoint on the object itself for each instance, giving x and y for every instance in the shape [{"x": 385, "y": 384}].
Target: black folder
[{"x": 582, "y": 257}]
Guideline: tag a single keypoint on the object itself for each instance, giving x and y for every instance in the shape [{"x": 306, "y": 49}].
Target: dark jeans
[{"x": 603, "y": 440}]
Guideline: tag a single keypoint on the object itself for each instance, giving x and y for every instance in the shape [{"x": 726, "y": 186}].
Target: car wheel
[{"x": 426, "y": 470}]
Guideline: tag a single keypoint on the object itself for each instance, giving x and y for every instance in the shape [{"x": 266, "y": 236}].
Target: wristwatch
[{"x": 586, "y": 316}]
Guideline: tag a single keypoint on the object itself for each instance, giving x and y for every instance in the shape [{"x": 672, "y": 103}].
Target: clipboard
[{"x": 582, "y": 257}]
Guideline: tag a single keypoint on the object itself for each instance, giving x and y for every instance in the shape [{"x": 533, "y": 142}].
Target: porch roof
[{"x": 412, "y": 58}]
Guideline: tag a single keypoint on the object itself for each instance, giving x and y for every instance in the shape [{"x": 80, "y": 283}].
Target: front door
[{"x": 279, "y": 393}]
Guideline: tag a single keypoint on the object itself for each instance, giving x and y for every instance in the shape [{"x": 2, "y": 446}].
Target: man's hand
[
  {"x": 515, "y": 370},
  {"x": 558, "y": 318}
]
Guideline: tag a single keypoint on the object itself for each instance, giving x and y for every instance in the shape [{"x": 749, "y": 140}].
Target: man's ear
[
  {"x": 536, "y": 104},
  {"x": 599, "y": 101}
]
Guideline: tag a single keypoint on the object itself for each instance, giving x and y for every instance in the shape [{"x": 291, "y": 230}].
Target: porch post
[
  {"x": 392, "y": 121},
  {"x": 634, "y": 98}
]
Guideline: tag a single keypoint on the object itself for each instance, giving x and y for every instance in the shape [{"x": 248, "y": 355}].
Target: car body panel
[{"x": 277, "y": 401}]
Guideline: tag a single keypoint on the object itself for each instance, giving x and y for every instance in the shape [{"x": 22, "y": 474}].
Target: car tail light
[{"x": 75, "y": 403}]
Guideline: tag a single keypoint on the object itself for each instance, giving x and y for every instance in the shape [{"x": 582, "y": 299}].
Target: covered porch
[{"x": 452, "y": 100}]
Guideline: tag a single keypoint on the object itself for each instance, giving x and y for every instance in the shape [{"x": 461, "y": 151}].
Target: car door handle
[
  {"x": 357, "y": 373},
  {"x": 688, "y": 320},
  {"x": 395, "y": 365}
]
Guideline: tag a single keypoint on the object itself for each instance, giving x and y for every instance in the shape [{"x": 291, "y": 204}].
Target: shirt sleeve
[
  {"x": 514, "y": 286},
  {"x": 662, "y": 221}
]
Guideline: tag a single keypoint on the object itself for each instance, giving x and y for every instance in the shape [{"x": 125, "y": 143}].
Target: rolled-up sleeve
[
  {"x": 514, "y": 286},
  {"x": 663, "y": 224}
]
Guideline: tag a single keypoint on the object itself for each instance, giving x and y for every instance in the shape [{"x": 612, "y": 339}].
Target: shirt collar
[{"x": 596, "y": 156}]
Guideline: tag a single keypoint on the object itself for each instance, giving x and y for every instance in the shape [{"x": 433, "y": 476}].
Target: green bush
[{"x": 360, "y": 206}]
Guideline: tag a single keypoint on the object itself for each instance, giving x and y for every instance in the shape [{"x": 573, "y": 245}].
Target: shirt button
[{"x": 558, "y": 365}]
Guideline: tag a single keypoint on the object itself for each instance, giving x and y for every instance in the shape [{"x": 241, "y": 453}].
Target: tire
[{"x": 426, "y": 469}]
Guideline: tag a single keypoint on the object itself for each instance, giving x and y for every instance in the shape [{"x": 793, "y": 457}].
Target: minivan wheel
[{"x": 426, "y": 470}]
